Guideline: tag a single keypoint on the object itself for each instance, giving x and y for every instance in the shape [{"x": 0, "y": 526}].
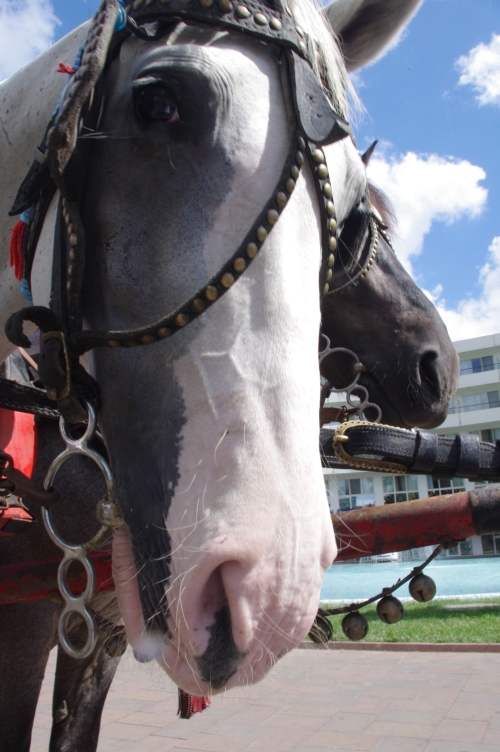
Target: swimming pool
[{"x": 453, "y": 577}]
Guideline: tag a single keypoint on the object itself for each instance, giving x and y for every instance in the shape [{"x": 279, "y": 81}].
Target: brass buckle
[
  {"x": 340, "y": 439},
  {"x": 54, "y": 394}
]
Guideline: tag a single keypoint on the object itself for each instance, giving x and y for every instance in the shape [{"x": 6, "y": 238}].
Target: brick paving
[{"x": 313, "y": 700}]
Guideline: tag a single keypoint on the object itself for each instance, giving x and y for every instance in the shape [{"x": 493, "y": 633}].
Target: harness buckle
[{"x": 59, "y": 393}]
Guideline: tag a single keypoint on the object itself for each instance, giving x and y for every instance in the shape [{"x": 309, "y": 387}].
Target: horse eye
[{"x": 157, "y": 103}]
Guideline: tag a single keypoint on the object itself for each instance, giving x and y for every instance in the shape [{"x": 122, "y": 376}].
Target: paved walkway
[{"x": 313, "y": 700}]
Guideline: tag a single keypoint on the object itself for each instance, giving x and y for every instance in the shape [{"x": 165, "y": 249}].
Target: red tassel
[
  {"x": 65, "y": 69},
  {"x": 189, "y": 704},
  {"x": 16, "y": 248}
]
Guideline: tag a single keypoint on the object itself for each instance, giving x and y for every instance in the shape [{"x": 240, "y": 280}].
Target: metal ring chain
[
  {"x": 77, "y": 604},
  {"x": 354, "y": 389}
]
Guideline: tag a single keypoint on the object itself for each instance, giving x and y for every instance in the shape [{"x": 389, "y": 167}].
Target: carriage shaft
[{"x": 412, "y": 524}]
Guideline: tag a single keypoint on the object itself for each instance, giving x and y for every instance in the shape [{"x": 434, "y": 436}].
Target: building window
[
  {"x": 355, "y": 493},
  {"x": 491, "y": 544},
  {"x": 490, "y": 434},
  {"x": 400, "y": 488},
  {"x": 477, "y": 365},
  {"x": 470, "y": 402},
  {"x": 441, "y": 486},
  {"x": 461, "y": 549}
]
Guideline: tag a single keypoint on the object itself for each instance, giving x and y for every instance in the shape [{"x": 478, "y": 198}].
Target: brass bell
[
  {"x": 422, "y": 588},
  {"x": 355, "y": 626},
  {"x": 390, "y": 610},
  {"x": 321, "y": 630}
]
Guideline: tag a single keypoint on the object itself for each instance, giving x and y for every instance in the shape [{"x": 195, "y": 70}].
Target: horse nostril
[{"x": 428, "y": 371}]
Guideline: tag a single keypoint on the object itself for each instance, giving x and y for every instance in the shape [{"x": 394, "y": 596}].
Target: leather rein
[{"x": 314, "y": 124}]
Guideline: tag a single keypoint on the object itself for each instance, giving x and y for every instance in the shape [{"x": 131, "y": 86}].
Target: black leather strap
[
  {"x": 26, "y": 399},
  {"x": 462, "y": 456},
  {"x": 468, "y": 455},
  {"x": 425, "y": 453}
]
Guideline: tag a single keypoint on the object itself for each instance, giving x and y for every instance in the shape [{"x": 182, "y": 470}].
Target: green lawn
[{"x": 431, "y": 622}]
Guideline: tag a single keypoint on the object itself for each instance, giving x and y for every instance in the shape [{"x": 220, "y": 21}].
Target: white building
[{"x": 475, "y": 409}]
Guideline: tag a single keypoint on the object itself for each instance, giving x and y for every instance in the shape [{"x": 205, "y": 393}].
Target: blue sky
[{"x": 433, "y": 101}]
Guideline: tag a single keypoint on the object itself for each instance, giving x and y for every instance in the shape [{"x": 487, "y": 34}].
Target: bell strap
[{"x": 367, "y": 446}]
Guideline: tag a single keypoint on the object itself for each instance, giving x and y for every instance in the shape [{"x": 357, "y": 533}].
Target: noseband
[{"x": 315, "y": 124}]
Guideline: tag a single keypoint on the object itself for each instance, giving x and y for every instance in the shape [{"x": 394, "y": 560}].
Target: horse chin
[{"x": 218, "y": 668}]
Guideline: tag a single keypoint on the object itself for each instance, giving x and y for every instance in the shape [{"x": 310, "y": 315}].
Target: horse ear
[{"x": 367, "y": 27}]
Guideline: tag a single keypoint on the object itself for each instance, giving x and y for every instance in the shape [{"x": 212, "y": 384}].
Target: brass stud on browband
[
  {"x": 227, "y": 280},
  {"x": 260, "y": 19},
  {"x": 327, "y": 190},
  {"x": 211, "y": 293},
  {"x": 198, "y": 305},
  {"x": 242, "y": 12},
  {"x": 261, "y": 233},
  {"x": 281, "y": 199},
  {"x": 299, "y": 158},
  {"x": 322, "y": 171},
  {"x": 290, "y": 185},
  {"x": 148, "y": 339},
  {"x": 275, "y": 24},
  {"x": 252, "y": 250},
  {"x": 163, "y": 332},
  {"x": 332, "y": 225},
  {"x": 182, "y": 319},
  {"x": 330, "y": 208},
  {"x": 295, "y": 172},
  {"x": 332, "y": 243},
  {"x": 318, "y": 155},
  {"x": 272, "y": 216},
  {"x": 225, "y": 6},
  {"x": 206, "y": 3},
  {"x": 239, "y": 265}
]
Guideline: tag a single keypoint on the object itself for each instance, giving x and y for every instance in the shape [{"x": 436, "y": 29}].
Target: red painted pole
[
  {"x": 411, "y": 524},
  {"x": 37, "y": 580},
  {"x": 363, "y": 532}
]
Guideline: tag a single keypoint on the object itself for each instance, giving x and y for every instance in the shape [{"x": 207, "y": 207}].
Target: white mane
[{"x": 328, "y": 62}]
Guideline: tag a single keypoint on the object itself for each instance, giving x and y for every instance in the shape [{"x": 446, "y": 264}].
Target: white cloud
[
  {"x": 425, "y": 189},
  {"x": 26, "y": 29},
  {"x": 481, "y": 69},
  {"x": 474, "y": 317}
]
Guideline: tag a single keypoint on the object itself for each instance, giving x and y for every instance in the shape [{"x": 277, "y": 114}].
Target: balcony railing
[
  {"x": 478, "y": 369},
  {"x": 471, "y": 408}
]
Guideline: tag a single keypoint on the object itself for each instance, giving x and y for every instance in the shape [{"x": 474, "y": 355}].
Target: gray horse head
[{"x": 213, "y": 433}]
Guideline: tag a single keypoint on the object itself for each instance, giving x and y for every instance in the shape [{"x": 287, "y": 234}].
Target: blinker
[{"x": 319, "y": 121}]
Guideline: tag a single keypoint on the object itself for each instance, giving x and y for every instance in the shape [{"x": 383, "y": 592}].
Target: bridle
[{"x": 314, "y": 125}]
